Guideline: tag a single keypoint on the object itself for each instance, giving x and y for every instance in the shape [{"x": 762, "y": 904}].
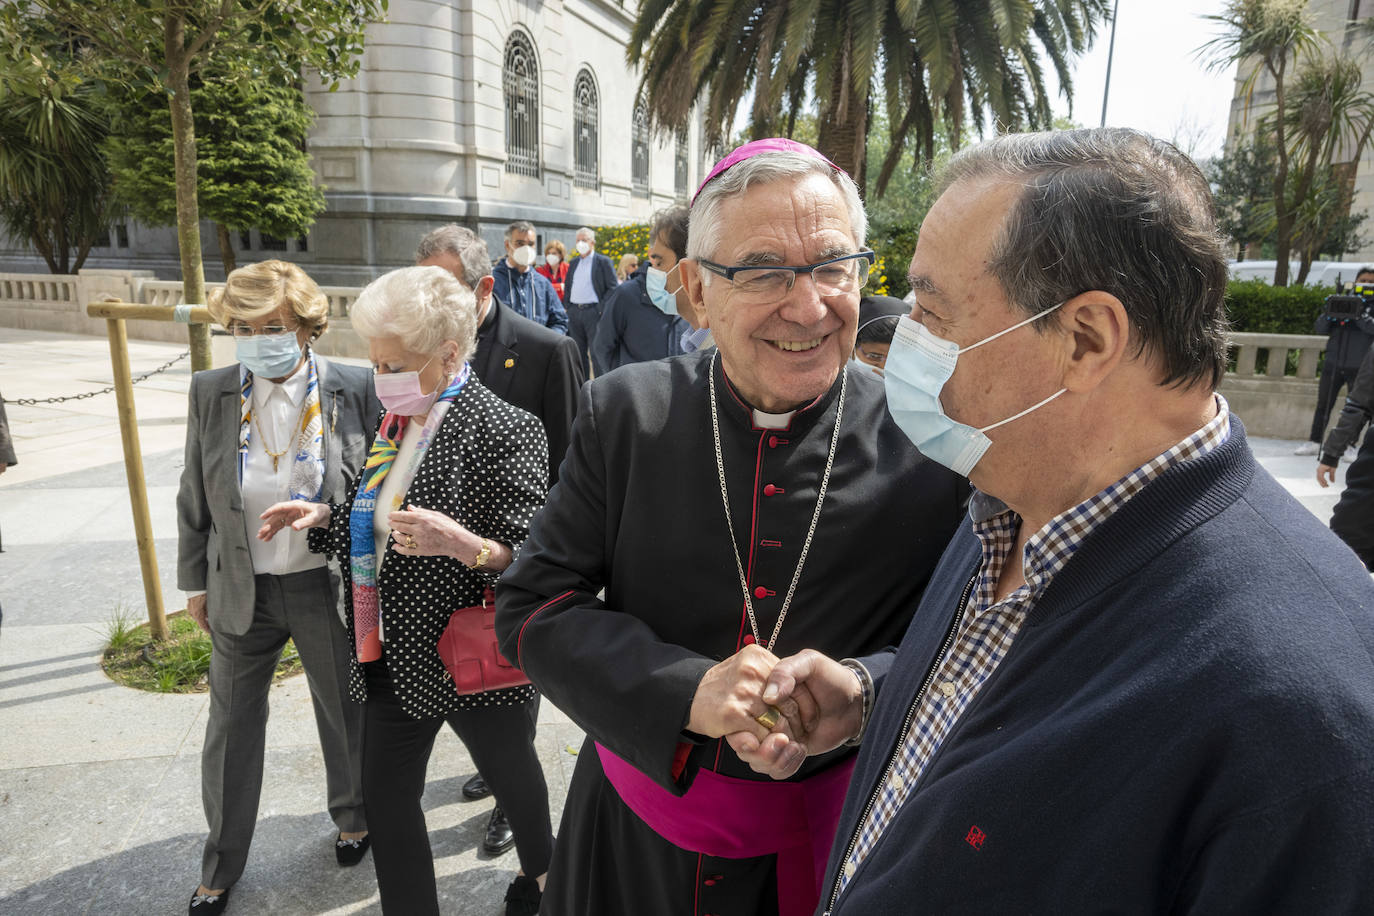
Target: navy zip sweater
[{"x": 1185, "y": 723}]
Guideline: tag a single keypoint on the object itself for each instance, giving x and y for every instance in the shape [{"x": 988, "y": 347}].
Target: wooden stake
[{"x": 133, "y": 468}]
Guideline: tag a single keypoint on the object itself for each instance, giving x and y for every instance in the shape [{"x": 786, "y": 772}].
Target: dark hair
[
  {"x": 1119, "y": 211},
  {"x": 879, "y": 330},
  {"x": 670, "y": 228}
]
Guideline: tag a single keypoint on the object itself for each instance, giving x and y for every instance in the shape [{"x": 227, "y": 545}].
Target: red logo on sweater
[{"x": 975, "y": 837}]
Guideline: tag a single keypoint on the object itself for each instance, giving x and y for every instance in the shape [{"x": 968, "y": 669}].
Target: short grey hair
[
  {"x": 587, "y": 229},
  {"x": 1115, "y": 210},
  {"x": 704, "y": 231},
  {"x": 423, "y": 306},
  {"x": 520, "y": 225},
  {"x": 464, "y": 244}
]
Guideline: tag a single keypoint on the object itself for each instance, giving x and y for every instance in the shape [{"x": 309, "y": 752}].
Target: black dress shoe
[
  {"x": 208, "y": 904},
  {"x": 476, "y": 788},
  {"x": 351, "y": 852},
  {"x": 523, "y": 896},
  {"x": 500, "y": 838}
]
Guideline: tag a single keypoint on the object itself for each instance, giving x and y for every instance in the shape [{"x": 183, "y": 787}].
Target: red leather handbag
[{"x": 468, "y": 650}]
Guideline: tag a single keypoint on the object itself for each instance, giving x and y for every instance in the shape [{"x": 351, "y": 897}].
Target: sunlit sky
[{"x": 1159, "y": 84}]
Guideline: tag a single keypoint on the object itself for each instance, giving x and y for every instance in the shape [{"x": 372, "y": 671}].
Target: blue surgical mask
[
  {"x": 269, "y": 355},
  {"x": 656, "y": 282},
  {"x": 918, "y": 366}
]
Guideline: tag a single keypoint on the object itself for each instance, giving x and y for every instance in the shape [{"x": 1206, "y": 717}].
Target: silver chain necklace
[{"x": 815, "y": 516}]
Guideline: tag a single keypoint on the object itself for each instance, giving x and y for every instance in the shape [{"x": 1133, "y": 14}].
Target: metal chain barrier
[{"x": 29, "y": 402}]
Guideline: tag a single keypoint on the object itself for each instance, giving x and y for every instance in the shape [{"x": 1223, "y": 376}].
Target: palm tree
[
  {"x": 54, "y": 183},
  {"x": 1274, "y": 35},
  {"x": 934, "y": 64}
]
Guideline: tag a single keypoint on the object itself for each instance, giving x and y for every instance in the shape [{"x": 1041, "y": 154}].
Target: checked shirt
[{"x": 987, "y": 627}]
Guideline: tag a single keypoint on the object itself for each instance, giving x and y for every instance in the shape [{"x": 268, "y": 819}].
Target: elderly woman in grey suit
[
  {"x": 282, "y": 423},
  {"x": 452, "y": 480}
]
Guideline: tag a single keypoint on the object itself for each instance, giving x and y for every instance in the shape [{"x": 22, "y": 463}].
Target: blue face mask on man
[
  {"x": 269, "y": 355},
  {"x": 656, "y": 283},
  {"x": 918, "y": 366}
]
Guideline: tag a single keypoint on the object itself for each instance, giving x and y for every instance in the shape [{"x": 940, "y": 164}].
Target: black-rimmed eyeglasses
[{"x": 833, "y": 277}]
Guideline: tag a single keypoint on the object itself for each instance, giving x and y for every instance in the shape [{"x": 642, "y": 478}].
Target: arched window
[
  {"x": 680, "y": 164},
  {"x": 639, "y": 151},
  {"x": 521, "y": 79},
  {"x": 586, "y": 172}
]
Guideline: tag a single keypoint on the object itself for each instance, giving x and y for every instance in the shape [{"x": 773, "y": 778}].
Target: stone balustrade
[{"x": 1272, "y": 387}]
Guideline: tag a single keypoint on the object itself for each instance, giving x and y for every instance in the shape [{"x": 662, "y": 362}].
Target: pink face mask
[{"x": 400, "y": 392}]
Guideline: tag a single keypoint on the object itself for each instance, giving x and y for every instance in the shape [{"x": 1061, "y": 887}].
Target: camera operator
[
  {"x": 1353, "y": 518},
  {"x": 1351, "y": 331}
]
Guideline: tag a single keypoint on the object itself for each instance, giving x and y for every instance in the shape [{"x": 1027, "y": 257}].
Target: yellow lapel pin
[{"x": 510, "y": 363}]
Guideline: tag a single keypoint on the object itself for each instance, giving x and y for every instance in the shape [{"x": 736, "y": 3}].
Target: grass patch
[{"x": 179, "y": 665}]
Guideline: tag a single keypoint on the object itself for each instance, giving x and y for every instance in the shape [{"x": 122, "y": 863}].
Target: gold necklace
[{"x": 276, "y": 456}]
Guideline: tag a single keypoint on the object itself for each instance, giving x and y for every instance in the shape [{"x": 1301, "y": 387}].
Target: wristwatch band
[{"x": 482, "y": 555}]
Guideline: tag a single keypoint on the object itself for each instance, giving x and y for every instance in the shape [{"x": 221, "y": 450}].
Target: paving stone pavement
[{"x": 99, "y": 785}]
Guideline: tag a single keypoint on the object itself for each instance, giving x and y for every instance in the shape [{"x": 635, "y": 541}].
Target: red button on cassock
[
  {"x": 772, "y": 441},
  {"x": 748, "y": 641},
  {"x": 761, "y": 592},
  {"x": 769, "y": 490}
]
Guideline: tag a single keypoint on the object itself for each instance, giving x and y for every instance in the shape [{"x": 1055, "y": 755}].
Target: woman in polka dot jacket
[{"x": 463, "y": 476}]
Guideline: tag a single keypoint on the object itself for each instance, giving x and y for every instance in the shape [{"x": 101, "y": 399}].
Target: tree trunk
[
  {"x": 226, "y": 249},
  {"x": 1283, "y": 232},
  {"x": 842, "y": 128},
  {"x": 188, "y": 209}
]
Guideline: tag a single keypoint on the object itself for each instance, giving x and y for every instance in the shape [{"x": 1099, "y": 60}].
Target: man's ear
[
  {"x": 1097, "y": 335},
  {"x": 484, "y": 287},
  {"x": 695, "y": 288}
]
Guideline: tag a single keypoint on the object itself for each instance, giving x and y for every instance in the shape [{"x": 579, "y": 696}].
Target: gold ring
[
  {"x": 410, "y": 541},
  {"x": 770, "y": 718}
]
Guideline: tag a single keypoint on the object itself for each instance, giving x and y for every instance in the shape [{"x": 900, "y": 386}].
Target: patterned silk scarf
[
  {"x": 307, "y": 465},
  {"x": 363, "y": 549}
]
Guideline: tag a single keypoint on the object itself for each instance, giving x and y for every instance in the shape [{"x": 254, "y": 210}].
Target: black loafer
[
  {"x": 500, "y": 838},
  {"x": 351, "y": 852},
  {"x": 523, "y": 896},
  {"x": 476, "y": 788},
  {"x": 208, "y": 904}
]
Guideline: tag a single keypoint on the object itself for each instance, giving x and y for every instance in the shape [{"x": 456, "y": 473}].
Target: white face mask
[
  {"x": 524, "y": 255},
  {"x": 552, "y": 259},
  {"x": 862, "y": 366},
  {"x": 583, "y": 248}
]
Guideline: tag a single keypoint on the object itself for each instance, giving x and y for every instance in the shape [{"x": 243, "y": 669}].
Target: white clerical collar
[{"x": 773, "y": 420}]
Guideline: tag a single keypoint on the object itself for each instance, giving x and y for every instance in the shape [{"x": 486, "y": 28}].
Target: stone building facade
[{"x": 472, "y": 111}]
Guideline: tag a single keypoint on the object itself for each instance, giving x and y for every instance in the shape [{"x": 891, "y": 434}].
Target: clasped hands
[{"x": 820, "y": 703}]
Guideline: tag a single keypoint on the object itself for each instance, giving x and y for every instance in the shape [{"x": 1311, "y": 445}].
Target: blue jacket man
[
  {"x": 526, "y": 291},
  {"x": 1142, "y": 678}
]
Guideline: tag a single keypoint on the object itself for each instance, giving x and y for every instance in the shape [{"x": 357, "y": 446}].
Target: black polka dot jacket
[{"x": 487, "y": 468}]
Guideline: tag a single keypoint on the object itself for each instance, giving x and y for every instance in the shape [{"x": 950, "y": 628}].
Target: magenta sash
[{"x": 743, "y": 818}]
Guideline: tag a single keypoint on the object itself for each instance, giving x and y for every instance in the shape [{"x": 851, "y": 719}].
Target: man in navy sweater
[{"x": 1142, "y": 678}]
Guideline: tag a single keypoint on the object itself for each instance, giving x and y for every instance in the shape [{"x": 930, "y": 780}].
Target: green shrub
[
  {"x": 1256, "y": 307},
  {"x": 614, "y": 241}
]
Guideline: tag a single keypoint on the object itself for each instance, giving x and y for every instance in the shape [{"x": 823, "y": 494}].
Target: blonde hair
[
  {"x": 260, "y": 289},
  {"x": 423, "y": 306},
  {"x": 557, "y": 246},
  {"x": 622, "y": 269}
]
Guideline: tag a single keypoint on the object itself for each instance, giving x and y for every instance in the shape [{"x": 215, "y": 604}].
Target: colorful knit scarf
[
  {"x": 363, "y": 551},
  {"x": 307, "y": 464}
]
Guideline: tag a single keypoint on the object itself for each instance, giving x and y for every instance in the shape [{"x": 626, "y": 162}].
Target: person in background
[
  {"x": 629, "y": 263},
  {"x": 555, "y": 267},
  {"x": 1352, "y": 519},
  {"x": 1349, "y": 339},
  {"x": 284, "y": 422},
  {"x": 591, "y": 278},
  {"x": 527, "y": 291},
  {"x": 1142, "y": 678},
  {"x": 7, "y": 457},
  {"x": 640, "y": 321},
  {"x": 877, "y": 323},
  {"x": 441, "y": 505}
]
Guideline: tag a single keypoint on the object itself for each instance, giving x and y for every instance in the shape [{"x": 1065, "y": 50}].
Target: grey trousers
[
  {"x": 582, "y": 322},
  {"x": 299, "y": 606}
]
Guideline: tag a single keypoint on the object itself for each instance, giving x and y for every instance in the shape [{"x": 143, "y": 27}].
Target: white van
[{"x": 1322, "y": 273}]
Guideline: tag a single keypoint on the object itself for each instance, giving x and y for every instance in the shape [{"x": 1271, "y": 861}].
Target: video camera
[{"x": 1353, "y": 302}]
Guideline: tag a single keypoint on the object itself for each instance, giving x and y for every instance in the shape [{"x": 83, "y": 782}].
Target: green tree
[
  {"x": 159, "y": 44},
  {"x": 935, "y": 63},
  {"x": 253, "y": 170},
  {"x": 54, "y": 184},
  {"x": 1275, "y": 36},
  {"x": 1242, "y": 180}
]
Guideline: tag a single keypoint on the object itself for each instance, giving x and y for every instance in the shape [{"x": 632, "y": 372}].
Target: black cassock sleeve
[{"x": 607, "y": 669}]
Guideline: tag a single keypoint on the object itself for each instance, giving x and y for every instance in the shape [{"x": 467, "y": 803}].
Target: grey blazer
[{"x": 212, "y": 549}]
